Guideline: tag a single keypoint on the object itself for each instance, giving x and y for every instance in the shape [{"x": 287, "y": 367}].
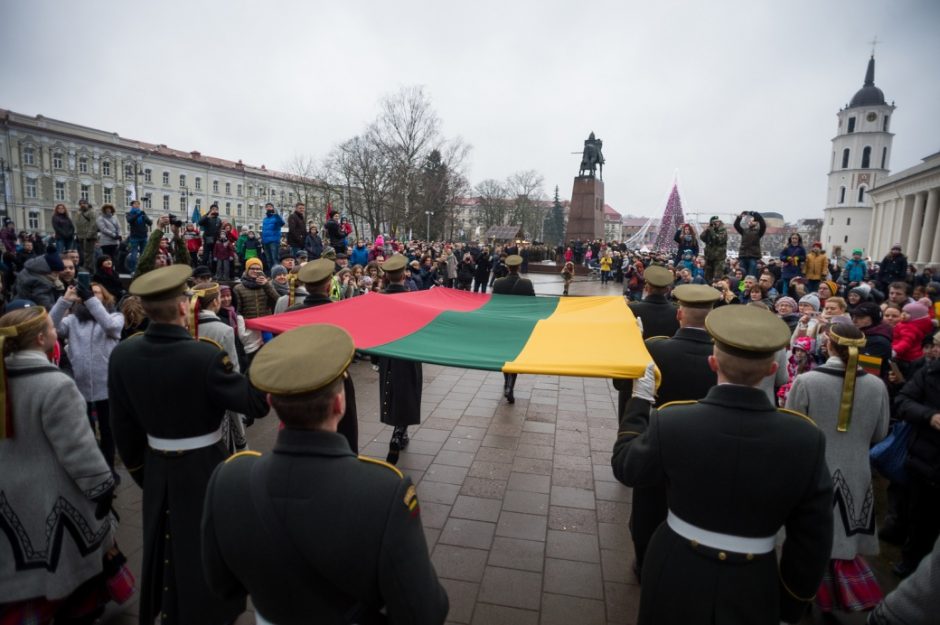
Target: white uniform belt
[
  {"x": 184, "y": 444},
  {"x": 715, "y": 540},
  {"x": 260, "y": 620}
]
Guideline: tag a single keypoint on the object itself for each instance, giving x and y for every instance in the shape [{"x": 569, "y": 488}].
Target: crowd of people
[{"x": 89, "y": 364}]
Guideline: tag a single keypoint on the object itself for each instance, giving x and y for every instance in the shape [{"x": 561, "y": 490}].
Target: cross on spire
[{"x": 874, "y": 42}]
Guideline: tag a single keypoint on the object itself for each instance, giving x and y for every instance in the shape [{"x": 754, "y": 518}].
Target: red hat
[{"x": 817, "y": 244}]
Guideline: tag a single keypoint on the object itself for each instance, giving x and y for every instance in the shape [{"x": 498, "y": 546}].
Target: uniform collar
[
  {"x": 167, "y": 331},
  {"x": 316, "y": 299},
  {"x": 694, "y": 334},
  {"x": 396, "y": 288},
  {"x": 656, "y": 298},
  {"x": 311, "y": 443},
  {"x": 737, "y": 396}
]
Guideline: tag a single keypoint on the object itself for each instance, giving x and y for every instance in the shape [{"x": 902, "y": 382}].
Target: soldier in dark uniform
[
  {"x": 312, "y": 532},
  {"x": 317, "y": 279},
  {"x": 400, "y": 381},
  {"x": 683, "y": 363},
  {"x": 169, "y": 393},
  {"x": 656, "y": 315},
  {"x": 736, "y": 470},
  {"x": 512, "y": 285}
]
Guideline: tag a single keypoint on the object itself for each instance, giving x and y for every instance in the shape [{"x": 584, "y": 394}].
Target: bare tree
[
  {"x": 493, "y": 203},
  {"x": 525, "y": 187}
]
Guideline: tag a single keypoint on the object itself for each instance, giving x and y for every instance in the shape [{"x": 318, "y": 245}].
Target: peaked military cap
[
  {"x": 747, "y": 331},
  {"x": 658, "y": 276},
  {"x": 514, "y": 260},
  {"x": 162, "y": 283},
  {"x": 396, "y": 262},
  {"x": 696, "y": 295},
  {"x": 316, "y": 271},
  {"x": 283, "y": 365}
]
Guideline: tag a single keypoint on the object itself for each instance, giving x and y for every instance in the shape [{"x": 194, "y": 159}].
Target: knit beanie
[
  {"x": 786, "y": 300},
  {"x": 863, "y": 290},
  {"x": 251, "y": 262},
  {"x": 916, "y": 310},
  {"x": 280, "y": 270},
  {"x": 812, "y": 300},
  {"x": 833, "y": 287}
]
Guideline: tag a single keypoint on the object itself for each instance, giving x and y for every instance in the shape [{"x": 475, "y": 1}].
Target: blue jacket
[
  {"x": 854, "y": 271},
  {"x": 271, "y": 229},
  {"x": 359, "y": 256},
  {"x": 138, "y": 223},
  {"x": 797, "y": 253}
]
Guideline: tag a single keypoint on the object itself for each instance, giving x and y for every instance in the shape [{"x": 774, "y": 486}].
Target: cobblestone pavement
[{"x": 522, "y": 514}]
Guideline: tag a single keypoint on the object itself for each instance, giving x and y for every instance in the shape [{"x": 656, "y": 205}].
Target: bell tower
[{"x": 861, "y": 153}]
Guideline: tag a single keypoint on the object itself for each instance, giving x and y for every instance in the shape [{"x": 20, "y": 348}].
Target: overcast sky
[{"x": 739, "y": 98}]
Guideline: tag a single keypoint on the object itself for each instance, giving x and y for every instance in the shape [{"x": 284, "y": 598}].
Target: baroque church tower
[{"x": 861, "y": 152}]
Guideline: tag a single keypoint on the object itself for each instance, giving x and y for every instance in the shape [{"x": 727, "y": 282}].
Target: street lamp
[{"x": 429, "y": 213}]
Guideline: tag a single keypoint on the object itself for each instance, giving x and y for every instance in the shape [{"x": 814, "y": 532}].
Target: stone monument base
[{"x": 586, "y": 213}]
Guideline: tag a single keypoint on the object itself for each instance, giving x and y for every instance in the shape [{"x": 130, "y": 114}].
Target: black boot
[
  {"x": 510, "y": 385},
  {"x": 404, "y": 437},
  {"x": 394, "y": 446}
]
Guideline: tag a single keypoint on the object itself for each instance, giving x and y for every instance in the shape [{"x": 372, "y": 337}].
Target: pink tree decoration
[{"x": 672, "y": 219}]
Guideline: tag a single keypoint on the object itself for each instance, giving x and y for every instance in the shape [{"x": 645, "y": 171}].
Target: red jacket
[{"x": 908, "y": 337}]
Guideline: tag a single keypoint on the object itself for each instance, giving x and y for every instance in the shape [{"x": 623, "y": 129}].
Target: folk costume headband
[
  {"x": 6, "y": 404},
  {"x": 848, "y": 383},
  {"x": 195, "y": 295}
]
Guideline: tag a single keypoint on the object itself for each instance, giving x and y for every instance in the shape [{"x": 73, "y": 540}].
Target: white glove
[
  {"x": 639, "y": 324},
  {"x": 645, "y": 387}
]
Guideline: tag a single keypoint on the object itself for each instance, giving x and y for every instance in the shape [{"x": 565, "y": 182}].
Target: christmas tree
[{"x": 672, "y": 219}]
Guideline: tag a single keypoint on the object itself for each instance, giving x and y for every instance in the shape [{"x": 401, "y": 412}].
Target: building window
[
  {"x": 128, "y": 197},
  {"x": 59, "y": 191},
  {"x": 845, "y": 158},
  {"x": 83, "y": 165},
  {"x": 29, "y": 155},
  {"x": 866, "y": 157},
  {"x": 33, "y": 220},
  {"x": 238, "y": 210},
  {"x": 128, "y": 171},
  {"x": 861, "y": 194},
  {"x": 851, "y": 124},
  {"x": 166, "y": 179},
  {"x": 884, "y": 156},
  {"x": 198, "y": 184},
  {"x": 841, "y": 196},
  {"x": 199, "y": 205},
  {"x": 148, "y": 200},
  {"x": 228, "y": 208},
  {"x": 848, "y": 221},
  {"x": 251, "y": 191},
  {"x": 885, "y": 124},
  {"x": 166, "y": 202},
  {"x": 845, "y": 239},
  {"x": 108, "y": 195},
  {"x": 215, "y": 186},
  {"x": 239, "y": 190},
  {"x": 57, "y": 160},
  {"x": 182, "y": 180},
  {"x": 105, "y": 168},
  {"x": 183, "y": 206},
  {"x": 273, "y": 194},
  {"x": 31, "y": 191},
  {"x": 228, "y": 188},
  {"x": 148, "y": 176},
  {"x": 85, "y": 193}
]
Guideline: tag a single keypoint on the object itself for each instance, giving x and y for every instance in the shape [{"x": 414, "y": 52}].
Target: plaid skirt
[{"x": 849, "y": 586}]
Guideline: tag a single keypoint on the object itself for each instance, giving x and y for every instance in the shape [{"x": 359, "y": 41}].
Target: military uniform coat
[
  {"x": 400, "y": 385},
  {"x": 346, "y": 539},
  {"x": 166, "y": 384},
  {"x": 349, "y": 424},
  {"x": 683, "y": 362},
  {"x": 513, "y": 285},
  {"x": 732, "y": 464}
]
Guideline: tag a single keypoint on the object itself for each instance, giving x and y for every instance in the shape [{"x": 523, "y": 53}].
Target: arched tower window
[
  {"x": 861, "y": 194},
  {"x": 845, "y": 158},
  {"x": 851, "y": 124},
  {"x": 866, "y": 157},
  {"x": 841, "y": 195},
  {"x": 885, "y": 126},
  {"x": 884, "y": 156}
]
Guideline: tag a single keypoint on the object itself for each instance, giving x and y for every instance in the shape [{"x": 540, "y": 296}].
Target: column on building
[
  {"x": 917, "y": 222},
  {"x": 929, "y": 231},
  {"x": 884, "y": 228},
  {"x": 877, "y": 211},
  {"x": 900, "y": 227}
]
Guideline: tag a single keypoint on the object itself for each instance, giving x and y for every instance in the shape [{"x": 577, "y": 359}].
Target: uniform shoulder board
[
  {"x": 134, "y": 335},
  {"x": 206, "y": 339},
  {"x": 382, "y": 463},
  {"x": 799, "y": 414},
  {"x": 411, "y": 500},
  {"x": 677, "y": 403},
  {"x": 243, "y": 454},
  {"x": 656, "y": 338}
]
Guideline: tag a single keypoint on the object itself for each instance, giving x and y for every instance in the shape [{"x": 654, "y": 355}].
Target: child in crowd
[
  {"x": 800, "y": 361},
  {"x": 910, "y": 332},
  {"x": 567, "y": 274}
]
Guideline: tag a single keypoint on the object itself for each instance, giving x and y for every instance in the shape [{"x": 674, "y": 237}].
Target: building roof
[
  {"x": 503, "y": 233},
  {"x": 609, "y": 212},
  {"x": 772, "y": 215},
  {"x": 869, "y": 94}
]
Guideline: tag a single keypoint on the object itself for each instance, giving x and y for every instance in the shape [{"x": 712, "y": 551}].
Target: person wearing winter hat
[
  {"x": 826, "y": 289},
  {"x": 867, "y": 318},
  {"x": 858, "y": 295},
  {"x": 909, "y": 334},
  {"x": 279, "y": 280},
  {"x": 817, "y": 265},
  {"x": 893, "y": 268},
  {"x": 37, "y": 280},
  {"x": 786, "y": 309},
  {"x": 808, "y": 324}
]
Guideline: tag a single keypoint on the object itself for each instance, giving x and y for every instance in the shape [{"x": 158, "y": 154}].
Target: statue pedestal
[{"x": 586, "y": 213}]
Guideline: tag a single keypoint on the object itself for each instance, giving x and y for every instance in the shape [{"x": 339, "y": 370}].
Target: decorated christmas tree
[{"x": 672, "y": 219}]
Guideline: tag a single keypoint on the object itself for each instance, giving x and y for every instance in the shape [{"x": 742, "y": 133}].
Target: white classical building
[
  {"x": 907, "y": 211},
  {"x": 861, "y": 153},
  {"x": 45, "y": 161}
]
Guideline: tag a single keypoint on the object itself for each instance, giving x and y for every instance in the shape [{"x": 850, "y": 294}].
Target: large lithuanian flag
[{"x": 576, "y": 336}]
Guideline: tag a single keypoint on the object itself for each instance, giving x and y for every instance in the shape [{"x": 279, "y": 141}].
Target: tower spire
[{"x": 870, "y": 72}]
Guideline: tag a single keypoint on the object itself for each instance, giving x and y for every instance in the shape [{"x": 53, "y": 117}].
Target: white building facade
[
  {"x": 44, "y": 162},
  {"x": 861, "y": 153},
  {"x": 907, "y": 211}
]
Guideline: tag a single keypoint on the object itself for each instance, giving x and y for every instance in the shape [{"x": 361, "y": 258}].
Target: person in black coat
[
  {"x": 400, "y": 381},
  {"x": 512, "y": 285},
  {"x": 686, "y": 375},
  {"x": 893, "y": 268},
  {"x": 312, "y": 532},
  {"x": 481, "y": 275},
  {"x": 878, "y": 336},
  {"x": 317, "y": 278},
  {"x": 736, "y": 470},
  {"x": 106, "y": 276},
  {"x": 168, "y": 394}
]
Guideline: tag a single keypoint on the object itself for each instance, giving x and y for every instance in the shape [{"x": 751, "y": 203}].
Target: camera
[{"x": 175, "y": 221}]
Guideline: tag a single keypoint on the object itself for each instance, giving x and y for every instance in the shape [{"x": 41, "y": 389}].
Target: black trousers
[
  {"x": 924, "y": 521},
  {"x": 99, "y": 413}
]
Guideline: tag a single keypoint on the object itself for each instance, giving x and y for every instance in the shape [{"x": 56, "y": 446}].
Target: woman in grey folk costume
[
  {"x": 851, "y": 408},
  {"x": 55, "y": 486},
  {"x": 206, "y": 302}
]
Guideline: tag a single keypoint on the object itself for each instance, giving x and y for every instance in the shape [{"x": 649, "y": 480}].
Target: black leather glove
[
  {"x": 83, "y": 291},
  {"x": 103, "y": 503}
]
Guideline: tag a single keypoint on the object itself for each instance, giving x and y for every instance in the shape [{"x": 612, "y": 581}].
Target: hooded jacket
[
  {"x": 908, "y": 336},
  {"x": 296, "y": 230},
  {"x": 817, "y": 264},
  {"x": 35, "y": 283},
  {"x": 359, "y": 256},
  {"x": 751, "y": 236},
  {"x": 138, "y": 223},
  {"x": 271, "y": 230}
]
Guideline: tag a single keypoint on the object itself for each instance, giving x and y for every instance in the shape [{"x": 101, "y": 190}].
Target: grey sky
[{"x": 739, "y": 97}]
